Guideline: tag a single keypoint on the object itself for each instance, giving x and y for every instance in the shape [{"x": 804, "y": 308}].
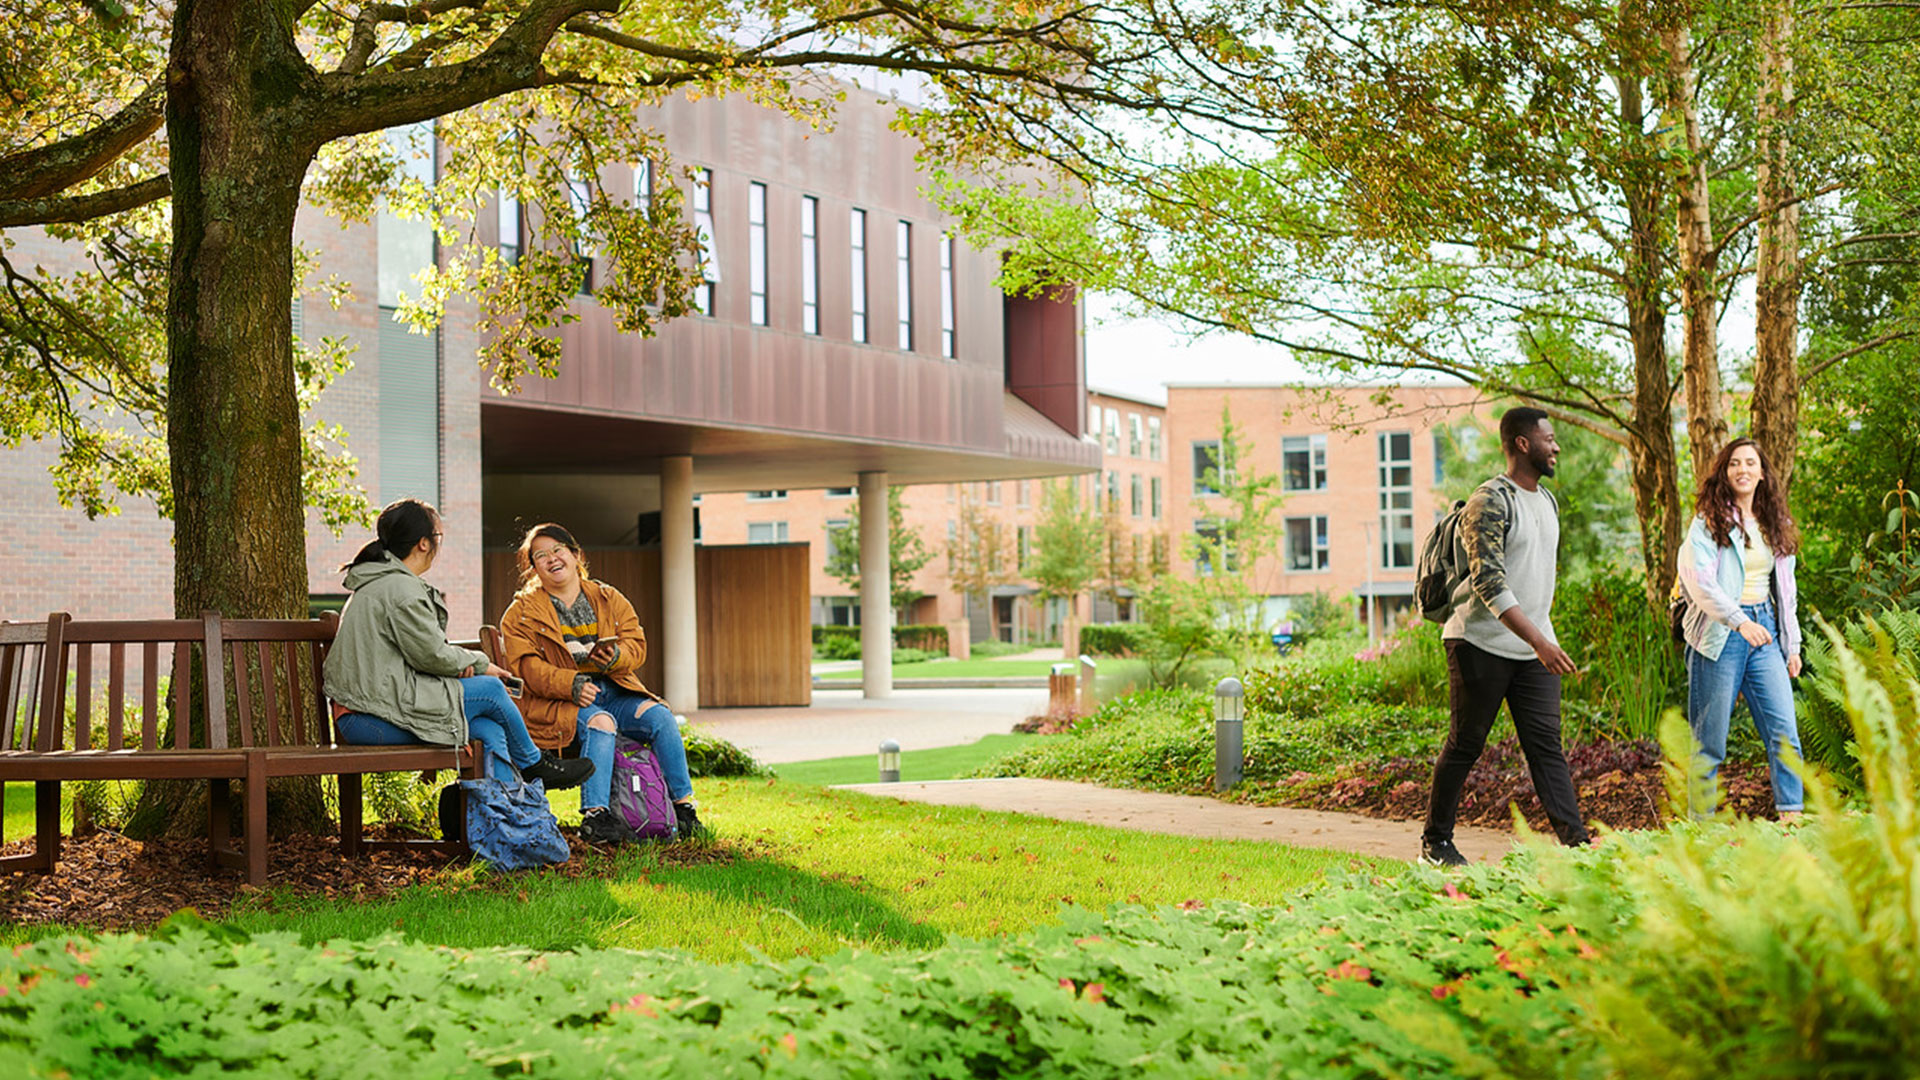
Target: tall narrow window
[
  {"x": 1303, "y": 463},
  {"x": 643, "y": 185},
  {"x": 510, "y": 233},
  {"x": 580, "y": 200},
  {"x": 857, "y": 223},
  {"x": 947, "y": 343},
  {"x": 409, "y": 362},
  {"x": 809, "y": 264},
  {"x": 903, "y": 263},
  {"x": 1133, "y": 434},
  {"x": 703, "y": 228},
  {"x": 1396, "y": 500},
  {"x": 1307, "y": 543},
  {"x": 757, "y": 253},
  {"x": 1153, "y": 438}
]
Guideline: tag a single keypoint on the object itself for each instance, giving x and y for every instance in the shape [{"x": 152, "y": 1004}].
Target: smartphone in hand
[{"x": 514, "y": 685}]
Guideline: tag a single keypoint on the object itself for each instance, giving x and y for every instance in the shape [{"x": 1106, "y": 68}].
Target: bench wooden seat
[{"x": 281, "y": 723}]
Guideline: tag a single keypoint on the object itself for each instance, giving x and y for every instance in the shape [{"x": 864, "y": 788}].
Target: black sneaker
[
  {"x": 603, "y": 827},
  {"x": 557, "y": 774},
  {"x": 1441, "y": 853},
  {"x": 688, "y": 820}
]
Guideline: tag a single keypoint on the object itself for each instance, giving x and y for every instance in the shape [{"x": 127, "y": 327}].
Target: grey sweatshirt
[{"x": 1507, "y": 567}]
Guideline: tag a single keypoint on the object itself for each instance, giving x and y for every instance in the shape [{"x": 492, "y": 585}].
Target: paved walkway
[
  {"x": 1188, "y": 815},
  {"x": 842, "y": 722}
]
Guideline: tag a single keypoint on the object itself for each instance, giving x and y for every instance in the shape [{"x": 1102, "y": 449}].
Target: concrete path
[
  {"x": 1187, "y": 815},
  {"x": 841, "y": 722}
]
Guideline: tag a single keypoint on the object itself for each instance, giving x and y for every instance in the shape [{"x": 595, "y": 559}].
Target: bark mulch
[
  {"x": 1620, "y": 785},
  {"x": 106, "y": 881}
]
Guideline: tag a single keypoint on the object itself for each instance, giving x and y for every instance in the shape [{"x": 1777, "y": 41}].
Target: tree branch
[
  {"x": 1817, "y": 368},
  {"x": 62, "y": 209},
  {"x": 36, "y": 173}
]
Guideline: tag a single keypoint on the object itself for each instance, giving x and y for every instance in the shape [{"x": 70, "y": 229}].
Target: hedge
[
  {"x": 1115, "y": 639},
  {"x": 843, "y": 642}
]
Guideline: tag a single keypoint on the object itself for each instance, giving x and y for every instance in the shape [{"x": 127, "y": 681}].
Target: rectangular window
[
  {"x": 1155, "y": 488},
  {"x": 406, "y": 246},
  {"x": 1133, "y": 434},
  {"x": 1022, "y": 489},
  {"x": 809, "y": 264},
  {"x": 766, "y": 532},
  {"x": 1113, "y": 490},
  {"x": 857, "y": 225},
  {"x": 993, "y": 493},
  {"x": 1439, "y": 456},
  {"x": 1111, "y": 437},
  {"x": 947, "y": 342},
  {"x": 512, "y": 235},
  {"x": 580, "y": 200},
  {"x": 837, "y": 536},
  {"x": 1303, "y": 463},
  {"x": 1203, "y": 453},
  {"x": 757, "y": 253},
  {"x": 1213, "y": 540},
  {"x": 703, "y": 228},
  {"x": 903, "y": 267},
  {"x": 1153, "y": 438},
  {"x": 1093, "y": 420},
  {"x": 409, "y": 411},
  {"x": 643, "y": 185},
  {"x": 1396, "y": 500},
  {"x": 1023, "y": 541},
  {"x": 1139, "y": 501},
  {"x": 1307, "y": 543},
  {"x": 766, "y": 496},
  {"x": 839, "y": 493}
]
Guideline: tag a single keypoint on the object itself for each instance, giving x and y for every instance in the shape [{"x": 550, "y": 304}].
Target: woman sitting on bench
[
  {"x": 579, "y": 645},
  {"x": 394, "y": 678}
]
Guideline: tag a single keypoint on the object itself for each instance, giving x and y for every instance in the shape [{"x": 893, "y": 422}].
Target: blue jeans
[
  {"x": 1759, "y": 674},
  {"x": 491, "y": 718},
  {"x": 637, "y": 717}
]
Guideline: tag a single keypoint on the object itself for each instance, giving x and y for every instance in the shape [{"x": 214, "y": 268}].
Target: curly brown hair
[{"x": 1720, "y": 507}]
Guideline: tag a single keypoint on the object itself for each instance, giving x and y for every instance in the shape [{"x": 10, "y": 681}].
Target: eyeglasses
[{"x": 551, "y": 555}]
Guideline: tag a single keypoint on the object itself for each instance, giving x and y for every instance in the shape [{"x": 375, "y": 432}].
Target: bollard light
[
  {"x": 1229, "y": 708},
  {"x": 889, "y": 762}
]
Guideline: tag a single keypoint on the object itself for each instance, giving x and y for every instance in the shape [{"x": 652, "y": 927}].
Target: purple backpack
[{"x": 640, "y": 792}]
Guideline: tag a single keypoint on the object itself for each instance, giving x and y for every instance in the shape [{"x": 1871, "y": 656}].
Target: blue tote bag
[{"x": 510, "y": 824}]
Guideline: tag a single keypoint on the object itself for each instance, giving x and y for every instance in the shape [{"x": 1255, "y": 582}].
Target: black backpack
[{"x": 1442, "y": 569}]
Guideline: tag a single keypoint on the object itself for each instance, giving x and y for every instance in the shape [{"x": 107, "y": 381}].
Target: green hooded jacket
[{"x": 391, "y": 658}]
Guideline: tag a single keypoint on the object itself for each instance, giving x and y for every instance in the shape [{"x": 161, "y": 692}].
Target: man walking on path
[{"x": 1500, "y": 642}]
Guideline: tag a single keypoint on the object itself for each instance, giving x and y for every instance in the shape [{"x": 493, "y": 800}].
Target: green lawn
[
  {"x": 19, "y": 813},
  {"x": 939, "y": 763},
  {"x": 812, "y": 870},
  {"x": 958, "y": 669}
]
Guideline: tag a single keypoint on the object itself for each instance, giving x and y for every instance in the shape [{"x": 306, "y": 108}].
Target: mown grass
[
  {"x": 938, "y": 763},
  {"x": 18, "y": 821},
  {"x": 812, "y": 870}
]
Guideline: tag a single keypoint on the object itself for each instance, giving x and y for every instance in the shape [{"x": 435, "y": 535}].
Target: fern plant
[{"x": 1887, "y": 645}]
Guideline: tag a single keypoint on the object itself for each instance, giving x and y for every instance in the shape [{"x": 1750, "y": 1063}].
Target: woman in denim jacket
[{"x": 1742, "y": 626}]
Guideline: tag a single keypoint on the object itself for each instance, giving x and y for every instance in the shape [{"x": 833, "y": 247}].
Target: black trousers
[{"x": 1477, "y": 682}]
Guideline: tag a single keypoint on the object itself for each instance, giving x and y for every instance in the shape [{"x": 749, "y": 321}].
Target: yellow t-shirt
[{"x": 1758, "y": 562}]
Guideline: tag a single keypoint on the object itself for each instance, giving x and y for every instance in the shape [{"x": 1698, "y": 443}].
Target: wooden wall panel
[{"x": 756, "y": 641}]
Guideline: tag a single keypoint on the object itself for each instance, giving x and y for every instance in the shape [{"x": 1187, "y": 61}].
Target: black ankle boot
[{"x": 556, "y": 774}]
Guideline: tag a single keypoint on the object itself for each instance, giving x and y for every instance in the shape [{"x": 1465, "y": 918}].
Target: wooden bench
[{"x": 281, "y": 725}]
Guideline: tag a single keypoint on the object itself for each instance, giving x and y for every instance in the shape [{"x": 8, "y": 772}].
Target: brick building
[{"x": 846, "y": 341}]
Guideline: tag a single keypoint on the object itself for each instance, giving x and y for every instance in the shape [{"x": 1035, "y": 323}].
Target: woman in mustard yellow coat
[{"x": 578, "y": 645}]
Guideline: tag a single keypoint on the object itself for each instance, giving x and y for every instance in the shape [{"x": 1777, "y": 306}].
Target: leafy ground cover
[
  {"x": 936, "y": 763},
  {"x": 958, "y": 669}
]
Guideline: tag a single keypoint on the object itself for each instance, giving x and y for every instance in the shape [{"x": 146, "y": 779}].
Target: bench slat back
[
  {"x": 23, "y": 648},
  {"x": 274, "y": 668},
  {"x": 168, "y": 650}
]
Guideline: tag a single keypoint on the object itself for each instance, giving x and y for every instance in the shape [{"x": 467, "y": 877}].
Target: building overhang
[{"x": 546, "y": 439}]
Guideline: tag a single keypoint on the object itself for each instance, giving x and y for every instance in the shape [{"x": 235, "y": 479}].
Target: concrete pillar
[
  {"x": 876, "y": 588},
  {"x": 678, "y": 636}
]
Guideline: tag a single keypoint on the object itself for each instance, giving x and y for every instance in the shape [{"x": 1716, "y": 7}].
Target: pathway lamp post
[
  {"x": 1229, "y": 709},
  {"x": 889, "y": 762}
]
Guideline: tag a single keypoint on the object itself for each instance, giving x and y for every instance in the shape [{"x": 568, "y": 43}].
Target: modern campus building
[{"x": 846, "y": 342}]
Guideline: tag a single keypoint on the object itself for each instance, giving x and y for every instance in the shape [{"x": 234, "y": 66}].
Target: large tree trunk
[
  {"x": 1650, "y": 449},
  {"x": 1699, "y": 259},
  {"x": 1776, "y": 379},
  {"x": 238, "y": 152}
]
